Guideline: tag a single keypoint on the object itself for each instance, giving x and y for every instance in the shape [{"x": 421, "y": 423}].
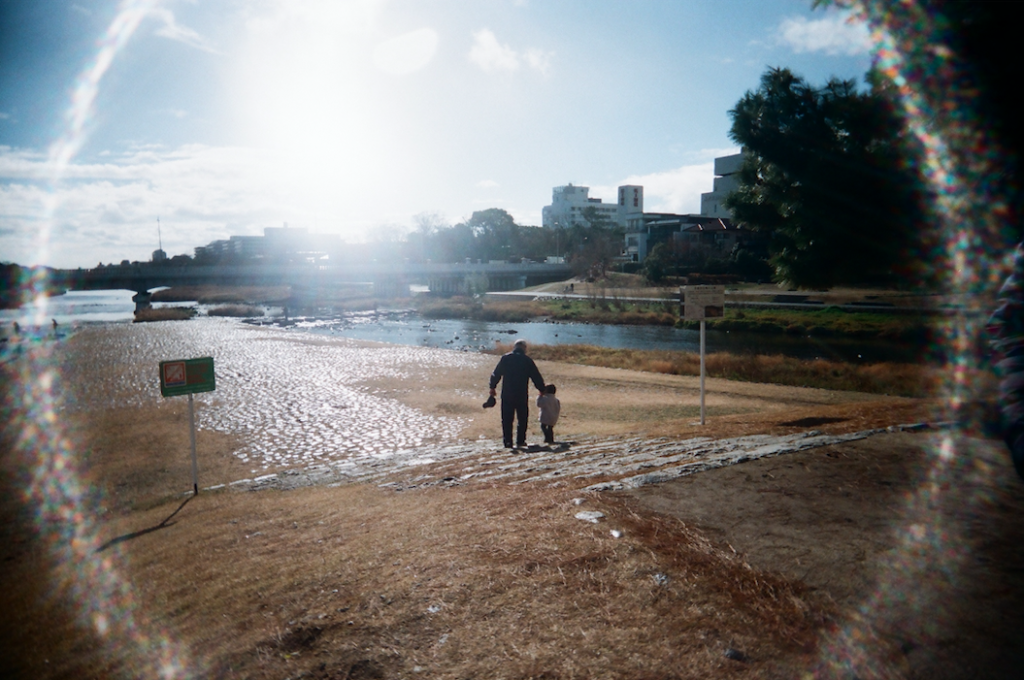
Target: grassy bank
[
  {"x": 164, "y": 314},
  {"x": 907, "y": 380},
  {"x": 829, "y": 322},
  {"x": 236, "y": 311}
]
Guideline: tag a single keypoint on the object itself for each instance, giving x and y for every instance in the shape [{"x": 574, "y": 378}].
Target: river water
[{"x": 407, "y": 328}]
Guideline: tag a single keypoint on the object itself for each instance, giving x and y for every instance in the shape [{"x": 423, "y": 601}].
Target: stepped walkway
[{"x": 594, "y": 464}]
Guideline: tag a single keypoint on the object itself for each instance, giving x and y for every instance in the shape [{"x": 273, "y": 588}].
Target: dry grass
[
  {"x": 470, "y": 308},
  {"x": 462, "y": 582},
  {"x": 236, "y": 311},
  {"x": 164, "y": 314},
  {"x": 357, "y": 581},
  {"x": 911, "y": 380}
]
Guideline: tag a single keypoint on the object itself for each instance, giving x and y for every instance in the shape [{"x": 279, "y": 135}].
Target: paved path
[{"x": 596, "y": 464}]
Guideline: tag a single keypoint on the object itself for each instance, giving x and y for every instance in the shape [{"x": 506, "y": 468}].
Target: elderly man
[{"x": 515, "y": 370}]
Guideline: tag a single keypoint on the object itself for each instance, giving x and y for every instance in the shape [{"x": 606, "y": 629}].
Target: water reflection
[
  {"x": 295, "y": 399},
  {"x": 407, "y": 328}
]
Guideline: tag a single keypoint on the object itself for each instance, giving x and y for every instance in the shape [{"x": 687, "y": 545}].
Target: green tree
[
  {"x": 658, "y": 262},
  {"x": 824, "y": 180}
]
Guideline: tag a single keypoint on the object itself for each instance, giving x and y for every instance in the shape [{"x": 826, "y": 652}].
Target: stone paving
[{"x": 594, "y": 464}]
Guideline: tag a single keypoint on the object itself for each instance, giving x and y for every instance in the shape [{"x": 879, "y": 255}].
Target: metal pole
[
  {"x": 701, "y": 374},
  {"x": 192, "y": 432}
]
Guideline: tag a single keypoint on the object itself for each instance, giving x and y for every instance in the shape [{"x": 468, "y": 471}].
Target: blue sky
[{"x": 353, "y": 116}]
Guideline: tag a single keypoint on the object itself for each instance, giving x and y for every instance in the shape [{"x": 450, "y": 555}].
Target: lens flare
[
  {"x": 49, "y": 475},
  {"x": 915, "y": 51}
]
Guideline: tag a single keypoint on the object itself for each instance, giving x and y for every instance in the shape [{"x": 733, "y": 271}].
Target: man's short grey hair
[{"x": 519, "y": 343}]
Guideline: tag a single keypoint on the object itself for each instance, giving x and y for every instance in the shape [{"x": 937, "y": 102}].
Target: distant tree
[
  {"x": 657, "y": 263},
  {"x": 422, "y": 243},
  {"x": 825, "y": 180},
  {"x": 594, "y": 250},
  {"x": 496, "y": 234},
  {"x": 597, "y": 219}
]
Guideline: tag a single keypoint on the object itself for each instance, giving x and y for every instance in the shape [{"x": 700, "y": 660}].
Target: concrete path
[{"x": 596, "y": 464}]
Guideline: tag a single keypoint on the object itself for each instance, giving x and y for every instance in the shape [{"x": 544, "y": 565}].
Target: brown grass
[
  {"x": 459, "y": 582},
  {"x": 469, "y": 308},
  {"x": 910, "y": 380},
  {"x": 358, "y": 581},
  {"x": 164, "y": 314},
  {"x": 236, "y": 311}
]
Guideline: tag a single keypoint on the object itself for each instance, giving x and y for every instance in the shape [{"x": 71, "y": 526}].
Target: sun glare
[{"x": 307, "y": 92}]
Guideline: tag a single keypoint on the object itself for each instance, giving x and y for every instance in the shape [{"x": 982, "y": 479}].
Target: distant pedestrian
[
  {"x": 550, "y": 408},
  {"x": 515, "y": 371}
]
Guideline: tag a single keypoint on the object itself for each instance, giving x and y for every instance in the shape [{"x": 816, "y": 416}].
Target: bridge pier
[
  {"x": 390, "y": 287},
  {"x": 471, "y": 284},
  {"x": 500, "y": 282}
]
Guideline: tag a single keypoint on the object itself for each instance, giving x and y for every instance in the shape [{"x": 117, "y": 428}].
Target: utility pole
[{"x": 159, "y": 236}]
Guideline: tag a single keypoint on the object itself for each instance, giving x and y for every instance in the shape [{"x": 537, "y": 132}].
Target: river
[{"x": 405, "y": 327}]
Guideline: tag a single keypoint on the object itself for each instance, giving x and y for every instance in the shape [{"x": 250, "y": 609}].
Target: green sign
[{"x": 186, "y": 376}]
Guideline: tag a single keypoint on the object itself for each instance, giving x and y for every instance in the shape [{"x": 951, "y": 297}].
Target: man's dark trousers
[{"x": 520, "y": 410}]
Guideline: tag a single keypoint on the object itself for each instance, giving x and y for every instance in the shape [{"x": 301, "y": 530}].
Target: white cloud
[
  {"x": 538, "y": 59},
  {"x": 486, "y": 184},
  {"x": 490, "y": 55},
  {"x": 835, "y": 33},
  {"x": 406, "y": 53},
  {"x": 106, "y": 211},
  {"x": 675, "y": 191},
  {"x": 172, "y": 30}
]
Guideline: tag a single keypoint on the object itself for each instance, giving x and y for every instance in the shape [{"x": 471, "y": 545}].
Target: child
[{"x": 549, "y": 407}]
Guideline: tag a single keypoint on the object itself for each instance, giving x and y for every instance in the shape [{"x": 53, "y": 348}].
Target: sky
[{"x": 353, "y": 117}]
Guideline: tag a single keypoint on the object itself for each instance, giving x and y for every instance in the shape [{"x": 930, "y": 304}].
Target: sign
[
  {"x": 186, "y": 376},
  {"x": 703, "y": 302}
]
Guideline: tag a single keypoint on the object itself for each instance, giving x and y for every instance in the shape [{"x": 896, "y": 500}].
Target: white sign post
[{"x": 699, "y": 303}]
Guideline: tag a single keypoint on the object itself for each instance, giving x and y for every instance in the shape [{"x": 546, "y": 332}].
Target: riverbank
[
  {"x": 900, "y": 379},
  {"x": 465, "y": 578},
  {"x": 622, "y": 302},
  {"x": 819, "y": 323}
]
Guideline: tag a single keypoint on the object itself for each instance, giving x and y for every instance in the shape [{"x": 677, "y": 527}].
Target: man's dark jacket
[{"x": 515, "y": 370}]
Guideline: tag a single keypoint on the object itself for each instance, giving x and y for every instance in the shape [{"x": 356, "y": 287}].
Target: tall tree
[{"x": 824, "y": 179}]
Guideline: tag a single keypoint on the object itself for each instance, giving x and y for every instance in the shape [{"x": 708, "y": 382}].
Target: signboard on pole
[
  {"x": 703, "y": 302},
  {"x": 186, "y": 376},
  {"x": 700, "y": 303}
]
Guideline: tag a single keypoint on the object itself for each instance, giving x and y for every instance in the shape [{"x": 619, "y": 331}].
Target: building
[
  {"x": 687, "y": 235},
  {"x": 712, "y": 204},
  {"x": 572, "y": 206}
]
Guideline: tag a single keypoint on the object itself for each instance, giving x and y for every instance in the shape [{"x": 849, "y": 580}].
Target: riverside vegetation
[{"x": 607, "y": 307}]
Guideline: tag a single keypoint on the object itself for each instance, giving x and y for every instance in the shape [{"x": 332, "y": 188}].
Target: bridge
[{"x": 389, "y": 280}]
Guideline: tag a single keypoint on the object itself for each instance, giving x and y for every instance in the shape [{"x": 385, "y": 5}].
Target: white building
[
  {"x": 726, "y": 181},
  {"x": 571, "y": 204}
]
